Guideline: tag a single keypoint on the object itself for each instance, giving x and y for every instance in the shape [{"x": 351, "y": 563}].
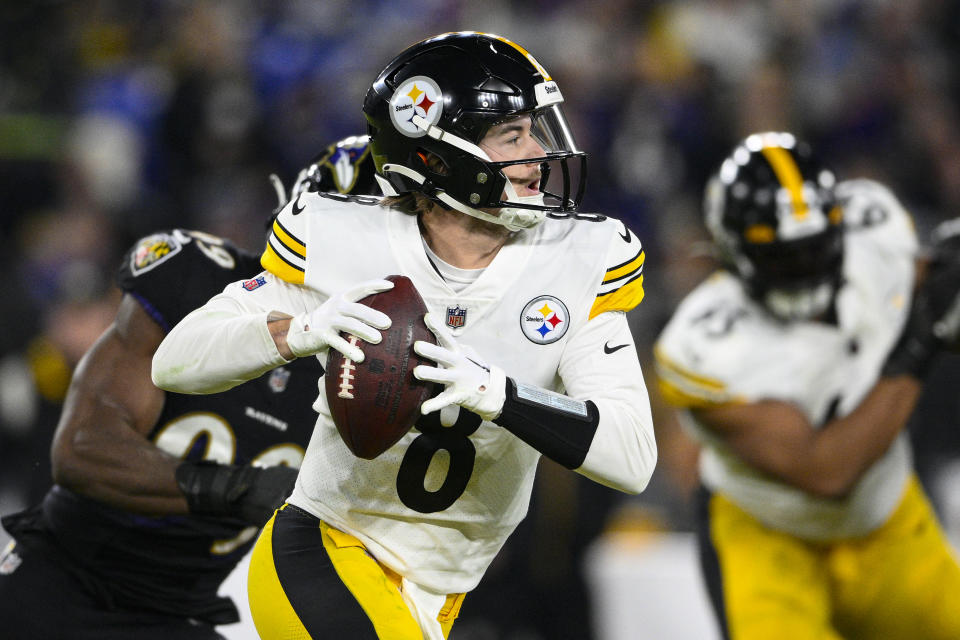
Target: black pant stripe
[
  {"x": 709, "y": 562},
  {"x": 322, "y": 602}
]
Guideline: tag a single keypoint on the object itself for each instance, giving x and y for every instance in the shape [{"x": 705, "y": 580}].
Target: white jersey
[
  {"x": 543, "y": 310},
  {"x": 720, "y": 347}
]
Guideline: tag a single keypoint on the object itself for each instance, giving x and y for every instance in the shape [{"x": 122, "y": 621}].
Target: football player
[
  {"x": 797, "y": 367},
  {"x": 527, "y": 299},
  {"x": 158, "y": 495}
]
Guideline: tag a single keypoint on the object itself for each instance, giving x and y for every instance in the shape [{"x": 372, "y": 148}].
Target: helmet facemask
[
  {"x": 473, "y": 183},
  {"x": 799, "y": 279}
]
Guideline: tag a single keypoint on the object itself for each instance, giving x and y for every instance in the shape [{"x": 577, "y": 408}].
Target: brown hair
[
  {"x": 414, "y": 202},
  {"x": 411, "y": 202}
]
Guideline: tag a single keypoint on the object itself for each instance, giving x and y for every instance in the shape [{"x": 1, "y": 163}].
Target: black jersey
[{"x": 175, "y": 564}]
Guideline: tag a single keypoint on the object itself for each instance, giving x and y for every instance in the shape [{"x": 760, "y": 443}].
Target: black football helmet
[
  {"x": 345, "y": 167},
  {"x": 772, "y": 212},
  {"x": 440, "y": 96}
]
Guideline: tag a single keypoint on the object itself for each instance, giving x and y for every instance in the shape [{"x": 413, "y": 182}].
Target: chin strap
[{"x": 512, "y": 218}]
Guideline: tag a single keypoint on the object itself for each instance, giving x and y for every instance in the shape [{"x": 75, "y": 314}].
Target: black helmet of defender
[
  {"x": 772, "y": 212},
  {"x": 345, "y": 167},
  {"x": 439, "y": 97}
]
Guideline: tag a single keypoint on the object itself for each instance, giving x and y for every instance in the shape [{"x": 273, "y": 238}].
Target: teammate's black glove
[
  {"x": 248, "y": 493},
  {"x": 934, "y": 322}
]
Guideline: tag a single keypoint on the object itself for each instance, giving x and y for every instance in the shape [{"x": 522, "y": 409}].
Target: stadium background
[{"x": 120, "y": 118}]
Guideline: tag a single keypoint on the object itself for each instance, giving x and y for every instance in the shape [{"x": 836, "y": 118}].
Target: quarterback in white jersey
[
  {"x": 787, "y": 369},
  {"x": 535, "y": 352}
]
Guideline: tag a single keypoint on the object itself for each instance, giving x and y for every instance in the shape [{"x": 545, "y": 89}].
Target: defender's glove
[
  {"x": 315, "y": 331},
  {"x": 934, "y": 322},
  {"x": 469, "y": 382},
  {"x": 247, "y": 493}
]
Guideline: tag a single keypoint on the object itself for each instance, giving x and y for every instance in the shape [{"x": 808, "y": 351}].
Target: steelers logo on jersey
[
  {"x": 544, "y": 319},
  {"x": 153, "y": 250}
]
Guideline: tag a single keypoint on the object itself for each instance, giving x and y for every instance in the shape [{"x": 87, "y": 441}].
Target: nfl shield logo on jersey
[
  {"x": 456, "y": 317},
  {"x": 256, "y": 283},
  {"x": 278, "y": 380}
]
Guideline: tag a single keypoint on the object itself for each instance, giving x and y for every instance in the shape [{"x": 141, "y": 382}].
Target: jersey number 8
[{"x": 421, "y": 463}]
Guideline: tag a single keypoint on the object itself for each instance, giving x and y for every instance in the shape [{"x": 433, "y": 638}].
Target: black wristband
[{"x": 559, "y": 427}]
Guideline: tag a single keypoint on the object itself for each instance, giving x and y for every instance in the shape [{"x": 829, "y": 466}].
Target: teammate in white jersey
[
  {"x": 528, "y": 301},
  {"x": 797, "y": 368}
]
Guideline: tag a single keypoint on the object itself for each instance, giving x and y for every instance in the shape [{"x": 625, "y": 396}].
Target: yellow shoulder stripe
[
  {"x": 279, "y": 267},
  {"x": 663, "y": 361},
  {"x": 682, "y": 399},
  {"x": 288, "y": 240},
  {"x": 684, "y": 388},
  {"x": 623, "y": 299},
  {"x": 625, "y": 269}
]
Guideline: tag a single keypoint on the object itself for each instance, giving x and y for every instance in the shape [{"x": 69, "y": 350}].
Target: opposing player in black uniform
[{"x": 157, "y": 495}]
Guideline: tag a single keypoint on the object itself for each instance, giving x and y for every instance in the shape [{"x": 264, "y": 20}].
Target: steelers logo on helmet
[
  {"x": 544, "y": 319},
  {"x": 418, "y": 96}
]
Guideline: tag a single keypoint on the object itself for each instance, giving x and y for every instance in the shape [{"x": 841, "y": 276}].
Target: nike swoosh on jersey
[
  {"x": 608, "y": 349},
  {"x": 297, "y": 207},
  {"x": 627, "y": 237}
]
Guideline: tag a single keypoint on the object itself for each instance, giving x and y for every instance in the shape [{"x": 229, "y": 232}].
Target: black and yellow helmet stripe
[{"x": 785, "y": 167}]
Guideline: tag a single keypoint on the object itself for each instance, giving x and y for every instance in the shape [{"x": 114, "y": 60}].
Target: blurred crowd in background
[{"x": 120, "y": 118}]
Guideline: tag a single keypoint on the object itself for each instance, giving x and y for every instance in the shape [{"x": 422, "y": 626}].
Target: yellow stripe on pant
[
  {"x": 376, "y": 592},
  {"x": 273, "y": 615},
  {"x": 374, "y": 587}
]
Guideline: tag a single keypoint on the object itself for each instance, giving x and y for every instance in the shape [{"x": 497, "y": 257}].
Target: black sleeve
[
  {"x": 173, "y": 272},
  {"x": 562, "y": 435}
]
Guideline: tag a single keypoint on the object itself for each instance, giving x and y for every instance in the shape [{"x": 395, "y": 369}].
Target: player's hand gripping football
[
  {"x": 469, "y": 382},
  {"x": 315, "y": 331},
  {"x": 934, "y": 322}
]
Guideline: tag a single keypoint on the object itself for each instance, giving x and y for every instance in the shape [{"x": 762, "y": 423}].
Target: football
[{"x": 375, "y": 402}]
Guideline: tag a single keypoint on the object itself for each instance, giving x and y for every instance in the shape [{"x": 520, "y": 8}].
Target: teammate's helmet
[
  {"x": 440, "y": 96},
  {"x": 772, "y": 212}
]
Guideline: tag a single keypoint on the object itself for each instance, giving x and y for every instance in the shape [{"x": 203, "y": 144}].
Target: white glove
[
  {"x": 314, "y": 331},
  {"x": 469, "y": 382}
]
